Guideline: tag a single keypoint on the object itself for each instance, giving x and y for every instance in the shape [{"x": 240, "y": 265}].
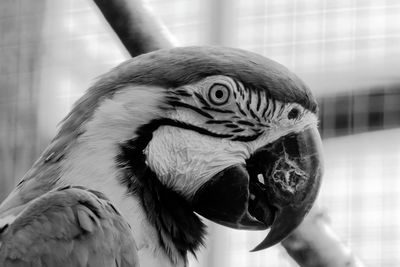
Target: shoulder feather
[{"x": 68, "y": 226}]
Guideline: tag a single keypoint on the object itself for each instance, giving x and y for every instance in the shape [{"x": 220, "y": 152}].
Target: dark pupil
[
  {"x": 219, "y": 94},
  {"x": 294, "y": 113}
]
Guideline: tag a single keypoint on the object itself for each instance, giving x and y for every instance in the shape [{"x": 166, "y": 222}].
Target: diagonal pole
[
  {"x": 315, "y": 244},
  {"x": 139, "y": 31}
]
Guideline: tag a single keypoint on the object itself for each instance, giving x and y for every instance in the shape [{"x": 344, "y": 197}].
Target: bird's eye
[
  {"x": 219, "y": 94},
  {"x": 293, "y": 114}
]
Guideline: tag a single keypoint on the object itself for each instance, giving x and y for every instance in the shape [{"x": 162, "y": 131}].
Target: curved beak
[
  {"x": 276, "y": 188},
  {"x": 292, "y": 181}
]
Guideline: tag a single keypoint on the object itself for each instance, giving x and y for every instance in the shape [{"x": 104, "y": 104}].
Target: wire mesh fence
[{"x": 50, "y": 51}]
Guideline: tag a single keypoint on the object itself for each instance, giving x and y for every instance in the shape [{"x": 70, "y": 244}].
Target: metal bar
[
  {"x": 138, "y": 30},
  {"x": 315, "y": 244},
  {"x": 222, "y": 14}
]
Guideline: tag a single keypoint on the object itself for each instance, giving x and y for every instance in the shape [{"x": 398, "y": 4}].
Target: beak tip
[
  {"x": 257, "y": 248},
  {"x": 285, "y": 222},
  {"x": 269, "y": 241},
  {"x": 292, "y": 207}
]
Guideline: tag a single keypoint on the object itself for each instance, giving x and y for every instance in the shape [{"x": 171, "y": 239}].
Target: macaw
[{"x": 180, "y": 133}]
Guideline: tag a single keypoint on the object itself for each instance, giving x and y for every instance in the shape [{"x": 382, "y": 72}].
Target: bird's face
[{"x": 240, "y": 157}]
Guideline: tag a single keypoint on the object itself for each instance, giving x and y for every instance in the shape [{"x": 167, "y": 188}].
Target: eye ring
[{"x": 219, "y": 94}]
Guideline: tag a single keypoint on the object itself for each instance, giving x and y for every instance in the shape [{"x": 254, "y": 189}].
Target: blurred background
[{"x": 346, "y": 50}]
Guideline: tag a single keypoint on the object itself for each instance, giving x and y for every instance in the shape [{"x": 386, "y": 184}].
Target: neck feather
[
  {"x": 106, "y": 157},
  {"x": 179, "y": 229}
]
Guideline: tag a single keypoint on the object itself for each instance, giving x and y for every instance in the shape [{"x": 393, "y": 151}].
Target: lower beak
[{"x": 276, "y": 188}]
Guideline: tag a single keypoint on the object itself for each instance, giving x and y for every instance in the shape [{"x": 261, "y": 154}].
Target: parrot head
[
  {"x": 220, "y": 132},
  {"x": 237, "y": 137}
]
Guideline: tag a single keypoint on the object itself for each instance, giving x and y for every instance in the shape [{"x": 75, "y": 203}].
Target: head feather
[{"x": 172, "y": 68}]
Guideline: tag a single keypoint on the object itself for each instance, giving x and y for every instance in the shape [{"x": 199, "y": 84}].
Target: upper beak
[
  {"x": 291, "y": 183},
  {"x": 291, "y": 171}
]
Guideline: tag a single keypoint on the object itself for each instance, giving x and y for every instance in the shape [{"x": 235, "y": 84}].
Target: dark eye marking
[
  {"x": 219, "y": 94},
  {"x": 243, "y": 122},
  {"x": 240, "y": 109},
  {"x": 219, "y": 110},
  {"x": 201, "y": 99},
  {"x": 146, "y": 130},
  {"x": 273, "y": 107},
  {"x": 226, "y": 123},
  {"x": 263, "y": 125},
  {"x": 231, "y": 125},
  {"x": 173, "y": 98},
  {"x": 237, "y": 130},
  {"x": 258, "y": 100},
  {"x": 293, "y": 114},
  {"x": 198, "y": 110},
  {"x": 270, "y": 108},
  {"x": 254, "y": 115},
  {"x": 217, "y": 121},
  {"x": 182, "y": 92},
  {"x": 256, "y": 130},
  {"x": 246, "y": 138},
  {"x": 239, "y": 89},
  {"x": 250, "y": 98},
  {"x": 265, "y": 109},
  {"x": 281, "y": 109}
]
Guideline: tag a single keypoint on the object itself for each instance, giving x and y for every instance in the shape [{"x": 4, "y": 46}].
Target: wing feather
[{"x": 69, "y": 226}]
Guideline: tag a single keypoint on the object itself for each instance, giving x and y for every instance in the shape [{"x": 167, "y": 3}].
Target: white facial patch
[{"x": 184, "y": 159}]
